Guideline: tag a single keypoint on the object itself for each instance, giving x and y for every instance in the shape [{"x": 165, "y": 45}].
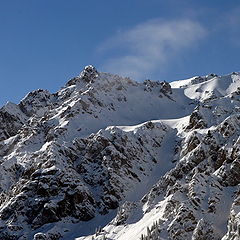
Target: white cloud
[{"x": 149, "y": 46}]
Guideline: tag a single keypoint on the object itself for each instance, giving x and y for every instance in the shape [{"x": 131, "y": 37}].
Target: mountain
[{"x": 106, "y": 157}]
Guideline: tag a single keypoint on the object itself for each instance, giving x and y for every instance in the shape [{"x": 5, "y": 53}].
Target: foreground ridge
[{"x": 106, "y": 157}]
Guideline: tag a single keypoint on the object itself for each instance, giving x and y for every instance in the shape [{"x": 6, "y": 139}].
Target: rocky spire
[{"x": 88, "y": 75}]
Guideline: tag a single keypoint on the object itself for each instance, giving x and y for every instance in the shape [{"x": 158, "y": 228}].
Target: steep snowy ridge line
[{"x": 137, "y": 161}]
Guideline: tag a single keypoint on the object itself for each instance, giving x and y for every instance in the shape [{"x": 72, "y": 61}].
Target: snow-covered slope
[{"x": 106, "y": 157}]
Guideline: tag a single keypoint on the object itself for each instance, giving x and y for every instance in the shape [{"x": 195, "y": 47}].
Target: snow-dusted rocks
[
  {"x": 132, "y": 160},
  {"x": 87, "y": 75}
]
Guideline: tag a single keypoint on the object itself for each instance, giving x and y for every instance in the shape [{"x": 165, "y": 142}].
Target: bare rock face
[
  {"x": 151, "y": 160},
  {"x": 11, "y": 120},
  {"x": 9, "y": 125},
  {"x": 166, "y": 88},
  {"x": 196, "y": 121}
]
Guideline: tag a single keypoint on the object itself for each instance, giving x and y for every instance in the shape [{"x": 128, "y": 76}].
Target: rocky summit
[{"x": 108, "y": 158}]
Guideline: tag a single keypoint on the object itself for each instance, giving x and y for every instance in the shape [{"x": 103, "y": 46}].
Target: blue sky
[{"x": 43, "y": 43}]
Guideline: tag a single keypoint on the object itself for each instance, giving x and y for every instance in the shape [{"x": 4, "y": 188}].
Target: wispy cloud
[{"x": 150, "y": 46}]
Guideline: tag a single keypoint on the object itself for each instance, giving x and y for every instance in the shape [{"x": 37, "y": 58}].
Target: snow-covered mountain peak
[
  {"x": 87, "y": 75},
  {"x": 210, "y": 86},
  {"x": 149, "y": 160}
]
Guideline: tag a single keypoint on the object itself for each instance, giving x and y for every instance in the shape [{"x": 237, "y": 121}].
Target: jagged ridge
[{"x": 72, "y": 156}]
